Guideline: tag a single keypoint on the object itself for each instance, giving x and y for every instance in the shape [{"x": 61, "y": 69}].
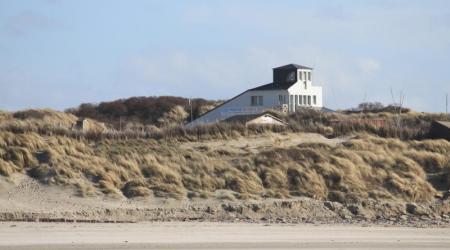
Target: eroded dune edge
[{"x": 51, "y": 173}]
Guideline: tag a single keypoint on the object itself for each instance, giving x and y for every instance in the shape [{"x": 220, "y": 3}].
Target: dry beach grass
[{"x": 361, "y": 167}]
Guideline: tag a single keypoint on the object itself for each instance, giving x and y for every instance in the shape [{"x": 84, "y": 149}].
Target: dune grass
[
  {"x": 363, "y": 167},
  {"x": 366, "y": 166},
  {"x": 407, "y": 126}
]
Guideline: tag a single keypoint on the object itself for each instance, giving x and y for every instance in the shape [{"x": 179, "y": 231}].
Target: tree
[
  {"x": 370, "y": 106},
  {"x": 87, "y": 110}
]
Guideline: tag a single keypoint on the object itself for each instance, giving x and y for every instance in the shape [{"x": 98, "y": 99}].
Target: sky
[{"x": 60, "y": 53}]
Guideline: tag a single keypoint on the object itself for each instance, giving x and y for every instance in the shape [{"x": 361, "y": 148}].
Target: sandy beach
[{"x": 180, "y": 235}]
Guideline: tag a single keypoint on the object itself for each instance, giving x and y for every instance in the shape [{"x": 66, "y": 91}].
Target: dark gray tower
[{"x": 287, "y": 73}]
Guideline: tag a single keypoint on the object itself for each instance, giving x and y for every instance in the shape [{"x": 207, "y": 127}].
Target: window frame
[{"x": 254, "y": 100}]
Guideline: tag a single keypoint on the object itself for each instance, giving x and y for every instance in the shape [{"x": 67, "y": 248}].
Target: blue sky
[{"x": 60, "y": 53}]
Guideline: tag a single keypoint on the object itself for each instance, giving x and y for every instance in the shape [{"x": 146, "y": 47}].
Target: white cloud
[
  {"x": 368, "y": 65},
  {"x": 223, "y": 48},
  {"x": 221, "y": 75}
]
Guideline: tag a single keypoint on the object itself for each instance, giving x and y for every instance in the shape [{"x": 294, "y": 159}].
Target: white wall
[
  {"x": 242, "y": 105},
  {"x": 299, "y": 89}
]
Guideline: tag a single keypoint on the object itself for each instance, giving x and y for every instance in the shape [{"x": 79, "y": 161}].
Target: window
[
  {"x": 256, "y": 100},
  {"x": 280, "y": 99},
  {"x": 296, "y": 99},
  {"x": 314, "y": 100},
  {"x": 300, "y": 73},
  {"x": 309, "y": 76},
  {"x": 300, "y": 100},
  {"x": 309, "y": 100},
  {"x": 304, "y": 100}
]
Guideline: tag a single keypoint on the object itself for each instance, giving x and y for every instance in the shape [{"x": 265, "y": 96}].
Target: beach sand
[{"x": 189, "y": 235}]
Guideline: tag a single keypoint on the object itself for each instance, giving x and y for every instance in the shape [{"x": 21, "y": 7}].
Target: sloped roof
[
  {"x": 293, "y": 66},
  {"x": 281, "y": 85},
  {"x": 269, "y": 86},
  {"x": 440, "y": 130},
  {"x": 444, "y": 123},
  {"x": 249, "y": 117},
  {"x": 274, "y": 86}
]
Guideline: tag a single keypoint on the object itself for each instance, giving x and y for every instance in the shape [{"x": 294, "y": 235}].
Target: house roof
[
  {"x": 293, "y": 66},
  {"x": 249, "y": 117},
  {"x": 274, "y": 86},
  {"x": 444, "y": 123},
  {"x": 220, "y": 105},
  {"x": 281, "y": 85},
  {"x": 269, "y": 86}
]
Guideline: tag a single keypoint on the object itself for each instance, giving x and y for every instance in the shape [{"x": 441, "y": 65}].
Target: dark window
[
  {"x": 314, "y": 100},
  {"x": 256, "y": 100}
]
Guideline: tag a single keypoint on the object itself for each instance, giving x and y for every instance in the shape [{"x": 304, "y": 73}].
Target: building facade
[{"x": 290, "y": 90}]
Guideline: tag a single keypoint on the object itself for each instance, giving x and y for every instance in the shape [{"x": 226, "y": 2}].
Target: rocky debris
[
  {"x": 330, "y": 205},
  {"x": 415, "y": 209},
  {"x": 354, "y": 209},
  {"x": 300, "y": 210}
]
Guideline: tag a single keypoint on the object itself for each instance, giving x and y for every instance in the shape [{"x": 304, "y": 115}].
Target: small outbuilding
[
  {"x": 440, "y": 130},
  {"x": 261, "y": 119},
  {"x": 86, "y": 125},
  {"x": 81, "y": 124}
]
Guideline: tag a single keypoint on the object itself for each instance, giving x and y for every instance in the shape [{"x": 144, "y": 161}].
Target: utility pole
[{"x": 190, "y": 104}]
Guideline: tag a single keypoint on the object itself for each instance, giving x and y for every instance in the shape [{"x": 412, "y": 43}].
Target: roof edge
[
  {"x": 293, "y": 65},
  {"x": 218, "y": 106}
]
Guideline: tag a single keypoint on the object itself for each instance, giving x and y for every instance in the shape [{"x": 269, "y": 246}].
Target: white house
[{"x": 290, "y": 90}]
